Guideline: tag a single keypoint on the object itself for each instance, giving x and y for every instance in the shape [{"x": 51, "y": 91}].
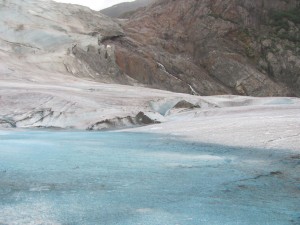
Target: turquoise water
[{"x": 141, "y": 179}]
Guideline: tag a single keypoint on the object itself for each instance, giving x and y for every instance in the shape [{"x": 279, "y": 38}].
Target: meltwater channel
[{"x": 113, "y": 178}]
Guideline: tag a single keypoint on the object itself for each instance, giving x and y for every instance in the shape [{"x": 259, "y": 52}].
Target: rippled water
[{"x": 131, "y": 179}]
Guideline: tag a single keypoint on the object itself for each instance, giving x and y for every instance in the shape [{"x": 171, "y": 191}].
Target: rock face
[
  {"x": 60, "y": 38},
  {"x": 211, "y": 47},
  {"x": 124, "y": 9}
]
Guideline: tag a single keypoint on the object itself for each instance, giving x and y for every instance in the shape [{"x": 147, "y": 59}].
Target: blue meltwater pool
[{"x": 120, "y": 178}]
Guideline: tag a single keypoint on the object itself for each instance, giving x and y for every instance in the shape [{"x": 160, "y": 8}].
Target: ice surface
[{"x": 130, "y": 179}]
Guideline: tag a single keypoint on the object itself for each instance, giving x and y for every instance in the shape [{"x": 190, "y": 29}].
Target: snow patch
[
  {"x": 163, "y": 68},
  {"x": 193, "y": 90}
]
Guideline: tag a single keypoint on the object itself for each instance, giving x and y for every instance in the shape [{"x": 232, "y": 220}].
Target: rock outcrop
[
  {"x": 61, "y": 38},
  {"x": 211, "y": 47}
]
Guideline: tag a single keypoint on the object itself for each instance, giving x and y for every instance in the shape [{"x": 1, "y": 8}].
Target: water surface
[{"x": 141, "y": 179}]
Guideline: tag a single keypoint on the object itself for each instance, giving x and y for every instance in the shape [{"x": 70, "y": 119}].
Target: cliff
[{"x": 214, "y": 47}]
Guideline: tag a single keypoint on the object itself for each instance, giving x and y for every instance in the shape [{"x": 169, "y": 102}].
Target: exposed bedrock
[{"x": 214, "y": 47}]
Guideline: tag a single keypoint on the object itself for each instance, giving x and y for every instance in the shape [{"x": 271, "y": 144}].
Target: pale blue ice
[{"x": 140, "y": 179}]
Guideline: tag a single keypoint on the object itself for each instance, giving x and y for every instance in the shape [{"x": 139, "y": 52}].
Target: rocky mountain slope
[
  {"x": 125, "y": 8},
  {"x": 60, "y": 38},
  {"x": 210, "y": 47}
]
